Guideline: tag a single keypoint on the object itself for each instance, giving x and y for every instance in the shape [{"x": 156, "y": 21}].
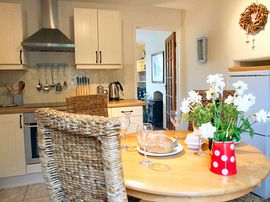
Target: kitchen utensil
[
  {"x": 39, "y": 85},
  {"x": 101, "y": 90},
  {"x": 65, "y": 76},
  {"x": 114, "y": 90},
  {"x": 46, "y": 87},
  {"x": 21, "y": 86},
  {"x": 88, "y": 85},
  {"x": 83, "y": 85},
  {"x": 11, "y": 89},
  {"x": 80, "y": 85},
  {"x": 77, "y": 87},
  {"x": 52, "y": 75},
  {"x": 58, "y": 85}
]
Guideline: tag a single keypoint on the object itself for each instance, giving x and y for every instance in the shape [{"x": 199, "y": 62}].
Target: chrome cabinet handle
[
  {"x": 20, "y": 121},
  {"x": 127, "y": 112},
  {"x": 100, "y": 57},
  {"x": 96, "y": 57},
  {"x": 21, "y": 57}
]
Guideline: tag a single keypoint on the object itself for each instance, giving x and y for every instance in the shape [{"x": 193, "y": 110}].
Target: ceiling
[{"x": 175, "y": 4}]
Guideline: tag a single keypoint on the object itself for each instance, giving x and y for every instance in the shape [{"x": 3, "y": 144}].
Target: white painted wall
[
  {"x": 219, "y": 22},
  {"x": 154, "y": 41}
]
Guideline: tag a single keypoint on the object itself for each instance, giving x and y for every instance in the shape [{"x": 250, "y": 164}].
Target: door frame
[{"x": 179, "y": 51}]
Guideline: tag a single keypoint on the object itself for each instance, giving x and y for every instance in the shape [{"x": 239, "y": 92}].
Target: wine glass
[
  {"x": 200, "y": 152},
  {"x": 175, "y": 117},
  {"x": 124, "y": 125},
  {"x": 143, "y": 133}
]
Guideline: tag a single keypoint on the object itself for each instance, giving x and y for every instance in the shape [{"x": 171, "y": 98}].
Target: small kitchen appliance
[
  {"x": 101, "y": 90},
  {"x": 114, "y": 89}
]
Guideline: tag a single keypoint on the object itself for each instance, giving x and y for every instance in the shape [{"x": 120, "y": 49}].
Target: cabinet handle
[
  {"x": 20, "y": 121},
  {"x": 21, "y": 57},
  {"x": 127, "y": 112},
  {"x": 96, "y": 57},
  {"x": 100, "y": 57}
]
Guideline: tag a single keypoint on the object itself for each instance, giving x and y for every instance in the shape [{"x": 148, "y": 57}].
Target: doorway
[{"x": 150, "y": 43}]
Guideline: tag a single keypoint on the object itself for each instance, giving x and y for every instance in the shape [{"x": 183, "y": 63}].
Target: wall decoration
[
  {"x": 157, "y": 67},
  {"x": 254, "y": 18},
  {"x": 202, "y": 49}
]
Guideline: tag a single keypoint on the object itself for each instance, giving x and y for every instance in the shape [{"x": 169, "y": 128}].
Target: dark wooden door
[{"x": 170, "y": 64}]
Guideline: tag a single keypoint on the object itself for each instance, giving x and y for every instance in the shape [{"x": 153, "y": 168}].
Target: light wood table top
[{"x": 189, "y": 178}]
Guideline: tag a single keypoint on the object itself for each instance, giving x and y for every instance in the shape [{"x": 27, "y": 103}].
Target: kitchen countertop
[
  {"x": 249, "y": 68},
  {"x": 62, "y": 106}
]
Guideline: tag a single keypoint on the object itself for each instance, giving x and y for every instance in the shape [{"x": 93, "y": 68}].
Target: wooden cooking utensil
[{"x": 21, "y": 86}]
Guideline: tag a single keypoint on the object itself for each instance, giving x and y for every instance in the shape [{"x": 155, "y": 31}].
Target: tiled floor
[
  {"x": 38, "y": 193},
  {"x": 29, "y": 193}
]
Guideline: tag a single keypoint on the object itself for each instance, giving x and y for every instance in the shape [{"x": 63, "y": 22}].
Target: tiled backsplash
[{"x": 30, "y": 77}]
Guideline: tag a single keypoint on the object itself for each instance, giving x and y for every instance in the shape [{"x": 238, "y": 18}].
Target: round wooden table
[{"x": 188, "y": 177}]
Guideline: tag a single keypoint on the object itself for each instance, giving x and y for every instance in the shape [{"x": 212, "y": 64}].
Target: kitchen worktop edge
[{"x": 27, "y": 109}]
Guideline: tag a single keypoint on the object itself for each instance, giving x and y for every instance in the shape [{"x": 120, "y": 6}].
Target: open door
[{"x": 170, "y": 64}]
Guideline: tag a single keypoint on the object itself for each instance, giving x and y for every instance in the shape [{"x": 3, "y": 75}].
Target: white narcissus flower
[
  {"x": 243, "y": 103},
  {"x": 229, "y": 100},
  {"x": 195, "y": 98},
  {"x": 262, "y": 116},
  {"x": 185, "y": 106},
  {"x": 216, "y": 83},
  {"x": 209, "y": 95},
  {"x": 215, "y": 78},
  {"x": 240, "y": 87},
  {"x": 207, "y": 130}
]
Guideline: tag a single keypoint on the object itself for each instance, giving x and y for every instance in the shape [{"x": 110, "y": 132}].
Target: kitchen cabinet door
[
  {"x": 109, "y": 31},
  {"x": 11, "y": 36},
  {"x": 135, "y": 113},
  {"x": 97, "y": 39},
  {"x": 12, "y": 153},
  {"x": 86, "y": 36}
]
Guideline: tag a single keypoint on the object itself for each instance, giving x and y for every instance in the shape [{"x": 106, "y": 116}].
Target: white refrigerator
[{"x": 259, "y": 85}]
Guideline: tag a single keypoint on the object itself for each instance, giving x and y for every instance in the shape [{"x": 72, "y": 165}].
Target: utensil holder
[{"x": 18, "y": 99}]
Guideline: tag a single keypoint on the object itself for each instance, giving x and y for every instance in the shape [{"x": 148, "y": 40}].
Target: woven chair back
[
  {"x": 204, "y": 100},
  {"x": 88, "y": 104},
  {"x": 80, "y": 156}
]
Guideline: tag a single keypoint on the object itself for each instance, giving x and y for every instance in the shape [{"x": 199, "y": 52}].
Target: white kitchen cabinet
[
  {"x": 135, "y": 114},
  {"x": 11, "y": 36},
  {"x": 12, "y": 153},
  {"x": 97, "y": 39}
]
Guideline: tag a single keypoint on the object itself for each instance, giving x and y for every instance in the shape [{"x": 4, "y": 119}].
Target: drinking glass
[
  {"x": 143, "y": 133},
  {"x": 200, "y": 152},
  {"x": 175, "y": 117},
  {"x": 124, "y": 125}
]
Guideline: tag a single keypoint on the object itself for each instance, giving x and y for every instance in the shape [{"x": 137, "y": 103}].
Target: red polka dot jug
[{"x": 223, "y": 161}]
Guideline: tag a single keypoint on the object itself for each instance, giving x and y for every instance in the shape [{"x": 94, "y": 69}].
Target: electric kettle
[{"x": 114, "y": 89}]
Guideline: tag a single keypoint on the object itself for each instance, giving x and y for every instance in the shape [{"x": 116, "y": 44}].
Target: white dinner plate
[{"x": 176, "y": 150}]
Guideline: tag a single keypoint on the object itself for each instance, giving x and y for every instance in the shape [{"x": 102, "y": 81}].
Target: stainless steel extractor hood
[{"x": 49, "y": 38}]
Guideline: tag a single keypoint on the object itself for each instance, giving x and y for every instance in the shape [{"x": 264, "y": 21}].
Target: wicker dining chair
[
  {"x": 204, "y": 100},
  {"x": 80, "y": 156},
  {"x": 88, "y": 104}
]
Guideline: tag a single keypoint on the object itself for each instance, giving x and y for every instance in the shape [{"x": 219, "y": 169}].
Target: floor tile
[
  {"x": 13, "y": 194},
  {"x": 39, "y": 199},
  {"x": 36, "y": 191}
]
